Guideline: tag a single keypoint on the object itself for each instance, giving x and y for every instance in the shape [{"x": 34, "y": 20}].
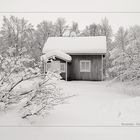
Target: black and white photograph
[{"x": 69, "y": 70}]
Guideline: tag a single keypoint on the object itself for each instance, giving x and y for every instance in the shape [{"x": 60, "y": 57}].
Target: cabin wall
[
  {"x": 73, "y": 68},
  {"x": 96, "y": 68}
]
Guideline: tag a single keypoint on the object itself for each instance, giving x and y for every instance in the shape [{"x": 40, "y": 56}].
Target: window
[
  {"x": 48, "y": 66},
  {"x": 85, "y": 66},
  {"x": 53, "y": 66},
  {"x": 62, "y": 67}
]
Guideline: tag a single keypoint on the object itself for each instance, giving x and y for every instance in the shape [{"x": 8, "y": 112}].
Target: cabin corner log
[
  {"x": 66, "y": 72},
  {"x": 102, "y": 72}
]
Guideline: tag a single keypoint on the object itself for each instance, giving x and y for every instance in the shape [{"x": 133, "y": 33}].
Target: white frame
[
  {"x": 85, "y": 70},
  {"x": 64, "y": 66}
]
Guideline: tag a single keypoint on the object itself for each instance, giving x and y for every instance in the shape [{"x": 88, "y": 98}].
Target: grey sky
[
  {"x": 35, "y": 6},
  {"x": 70, "y": 5}
]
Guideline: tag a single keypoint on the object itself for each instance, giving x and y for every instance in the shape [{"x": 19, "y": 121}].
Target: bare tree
[
  {"x": 121, "y": 38},
  {"x": 44, "y": 30},
  {"x": 60, "y": 27},
  {"x": 17, "y": 34},
  {"x": 93, "y": 30},
  {"x": 74, "y": 29},
  {"x": 134, "y": 33},
  {"x": 106, "y": 28},
  {"x": 107, "y": 31}
]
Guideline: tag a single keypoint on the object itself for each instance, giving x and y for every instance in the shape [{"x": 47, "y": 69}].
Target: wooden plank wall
[{"x": 96, "y": 68}]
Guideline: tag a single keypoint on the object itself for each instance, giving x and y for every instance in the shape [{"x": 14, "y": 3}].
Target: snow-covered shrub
[
  {"x": 13, "y": 71},
  {"x": 39, "y": 98},
  {"x": 43, "y": 97}
]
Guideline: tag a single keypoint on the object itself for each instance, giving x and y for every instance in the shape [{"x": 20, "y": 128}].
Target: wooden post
[
  {"x": 102, "y": 73},
  {"x": 66, "y": 72},
  {"x": 44, "y": 66}
]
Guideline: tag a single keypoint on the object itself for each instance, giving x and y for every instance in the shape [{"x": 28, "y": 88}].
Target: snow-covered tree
[
  {"x": 118, "y": 54},
  {"x": 126, "y": 54},
  {"x": 15, "y": 67}
]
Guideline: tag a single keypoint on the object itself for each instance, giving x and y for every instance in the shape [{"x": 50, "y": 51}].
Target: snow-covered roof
[
  {"x": 56, "y": 53},
  {"x": 77, "y": 45}
]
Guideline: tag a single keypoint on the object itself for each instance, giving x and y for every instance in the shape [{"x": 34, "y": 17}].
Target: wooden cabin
[{"x": 77, "y": 58}]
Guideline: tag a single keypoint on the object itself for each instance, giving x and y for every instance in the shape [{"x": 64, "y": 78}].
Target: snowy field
[{"x": 93, "y": 104}]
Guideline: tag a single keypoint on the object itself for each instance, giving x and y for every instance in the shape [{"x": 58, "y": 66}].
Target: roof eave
[{"x": 86, "y": 53}]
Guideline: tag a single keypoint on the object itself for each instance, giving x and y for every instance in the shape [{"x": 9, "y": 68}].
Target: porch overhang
[{"x": 56, "y": 53}]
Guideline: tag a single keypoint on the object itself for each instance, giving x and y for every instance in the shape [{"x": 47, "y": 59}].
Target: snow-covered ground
[{"x": 94, "y": 104}]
